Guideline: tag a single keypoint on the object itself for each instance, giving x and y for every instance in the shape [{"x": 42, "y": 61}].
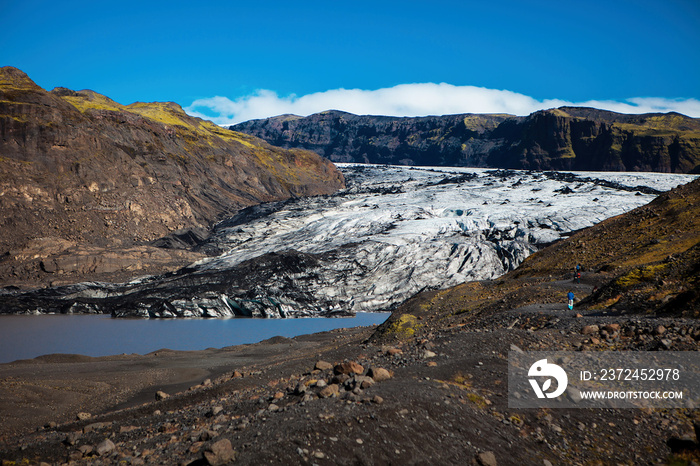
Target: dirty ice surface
[{"x": 393, "y": 232}]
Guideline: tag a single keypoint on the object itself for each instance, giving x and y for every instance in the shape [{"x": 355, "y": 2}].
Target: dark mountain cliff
[
  {"x": 559, "y": 139},
  {"x": 86, "y": 183}
]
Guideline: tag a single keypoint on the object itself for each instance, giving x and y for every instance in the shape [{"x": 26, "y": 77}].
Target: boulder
[
  {"x": 105, "y": 447},
  {"x": 214, "y": 411},
  {"x": 71, "y": 438},
  {"x": 486, "y": 458},
  {"x": 300, "y": 389},
  {"x": 340, "y": 379},
  {"x": 362, "y": 382},
  {"x": 611, "y": 328},
  {"x": 350, "y": 367},
  {"x": 220, "y": 453},
  {"x": 379, "y": 374},
  {"x": 329, "y": 391},
  {"x": 323, "y": 366},
  {"x": 86, "y": 449}
]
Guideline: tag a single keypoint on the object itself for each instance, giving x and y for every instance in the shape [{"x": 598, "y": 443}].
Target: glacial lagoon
[{"x": 25, "y": 337}]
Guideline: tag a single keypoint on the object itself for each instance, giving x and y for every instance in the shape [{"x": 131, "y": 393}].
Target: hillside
[
  {"x": 86, "y": 184},
  {"x": 559, "y": 139},
  {"x": 649, "y": 258}
]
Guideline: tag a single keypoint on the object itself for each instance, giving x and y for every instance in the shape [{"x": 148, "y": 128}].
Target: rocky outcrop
[
  {"x": 344, "y": 137},
  {"x": 80, "y": 173},
  {"x": 559, "y": 139}
]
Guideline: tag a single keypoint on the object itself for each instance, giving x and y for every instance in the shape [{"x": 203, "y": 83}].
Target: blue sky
[{"x": 232, "y": 60}]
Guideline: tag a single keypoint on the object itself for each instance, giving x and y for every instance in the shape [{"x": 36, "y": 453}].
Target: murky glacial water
[{"x": 24, "y": 337}]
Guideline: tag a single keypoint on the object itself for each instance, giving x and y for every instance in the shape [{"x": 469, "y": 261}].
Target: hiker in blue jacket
[{"x": 570, "y": 295}]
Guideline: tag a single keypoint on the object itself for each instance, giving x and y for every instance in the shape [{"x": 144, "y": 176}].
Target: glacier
[{"x": 393, "y": 232}]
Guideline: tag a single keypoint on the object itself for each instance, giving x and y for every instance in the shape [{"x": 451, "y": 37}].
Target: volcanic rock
[
  {"x": 329, "y": 391},
  {"x": 323, "y": 366},
  {"x": 566, "y": 138},
  {"x": 220, "y": 453},
  {"x": 105, "y": 447},
  {"x": 379, "y": 374},
  {"x": 486, "y": 458},
  {"x": 350, "y": 367}
]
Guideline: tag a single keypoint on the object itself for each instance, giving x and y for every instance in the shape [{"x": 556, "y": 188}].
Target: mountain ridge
[
  {"x": 87, "y": 183},
  {"x": 565, "y": 138}
]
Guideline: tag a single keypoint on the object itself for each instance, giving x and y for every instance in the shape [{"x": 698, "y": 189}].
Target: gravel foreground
[{"x": 436, "y": 394}]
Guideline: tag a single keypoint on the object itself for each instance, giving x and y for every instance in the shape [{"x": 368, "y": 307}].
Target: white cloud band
[{"x": 414, "y": 100}]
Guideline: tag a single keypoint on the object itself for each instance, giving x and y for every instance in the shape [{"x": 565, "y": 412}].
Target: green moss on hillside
[
  {"x": 640, "y": 275},
  {"x": 13, "y": 79},
  {"x": 667, "y": 125},
  {"x": 89, "y": 100},
  {"x": 404, "y": 327}
]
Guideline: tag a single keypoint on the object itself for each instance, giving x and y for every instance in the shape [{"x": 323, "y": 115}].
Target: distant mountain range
[
  {"x": 87, "y": 183},
  {"x": 566, "y": 138}
]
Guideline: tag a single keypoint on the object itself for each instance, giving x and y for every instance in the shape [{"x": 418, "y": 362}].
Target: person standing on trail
[
  {"x": 570, "y": 295},
  {"x": 577, "y": 273}
]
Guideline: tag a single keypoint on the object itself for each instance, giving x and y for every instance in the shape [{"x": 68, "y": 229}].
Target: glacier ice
[{"x": 393, "y": 232}]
